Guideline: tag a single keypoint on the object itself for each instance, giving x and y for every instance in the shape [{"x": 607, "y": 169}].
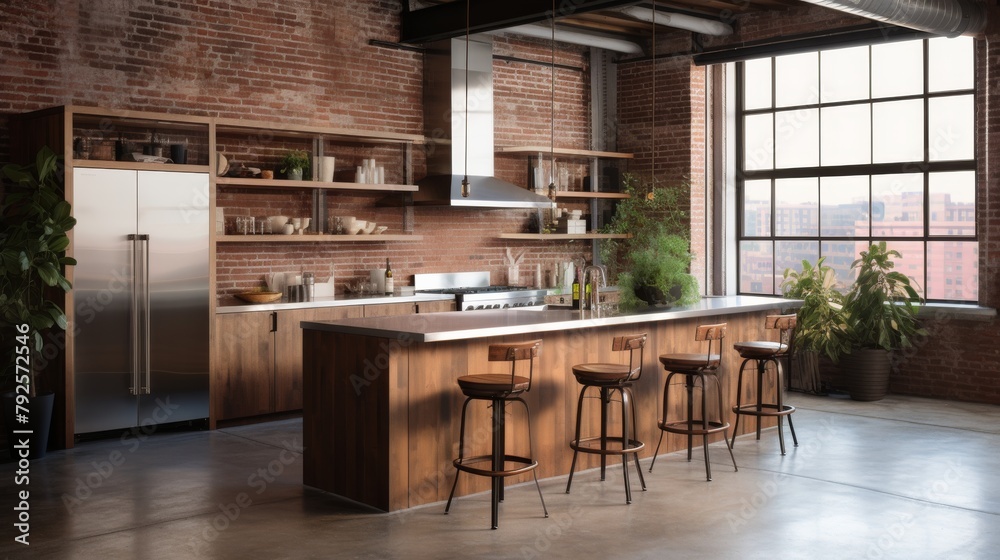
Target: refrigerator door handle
[
  {"x": 145, "y": 387},
  {"x": 134, "y": 316}
]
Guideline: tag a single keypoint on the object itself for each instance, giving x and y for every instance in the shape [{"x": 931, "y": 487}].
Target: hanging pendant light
[
  {"x": 466, "y": 188},
  {"x": 552, "y": 106}
]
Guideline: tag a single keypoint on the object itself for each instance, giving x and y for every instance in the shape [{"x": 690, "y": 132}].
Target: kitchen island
[{"x": 382, "y": 407}]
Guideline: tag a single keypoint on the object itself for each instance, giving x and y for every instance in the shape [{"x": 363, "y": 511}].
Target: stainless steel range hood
[{"x": 449, "y": 155}]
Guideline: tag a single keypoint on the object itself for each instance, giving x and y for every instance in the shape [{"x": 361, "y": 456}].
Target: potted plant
[
  {"x": 294, "y": 164},
  {"x": 33, "y": 244},
  {"x": 881, "y": 318},
  {"x": 821, "y": 326},
  {"x": 658, "y": 274},
  {"x": 651, "y": 266}
]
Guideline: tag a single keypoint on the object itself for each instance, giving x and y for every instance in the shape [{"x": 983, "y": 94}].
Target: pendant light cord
[
  {"x": 552, "y": 106},
  {"x": 466, "y": 188}
]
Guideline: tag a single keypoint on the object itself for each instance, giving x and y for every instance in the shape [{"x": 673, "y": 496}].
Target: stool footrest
[
  {"x": 694, "y": 427},
  {"x": 467, "y": 463},
  {"x": 583, "y": 445},
  {"x": 766, "y": 410}
]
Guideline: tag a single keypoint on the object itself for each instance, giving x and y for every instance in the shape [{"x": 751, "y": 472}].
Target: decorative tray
[{"x": 259, "y": 297}]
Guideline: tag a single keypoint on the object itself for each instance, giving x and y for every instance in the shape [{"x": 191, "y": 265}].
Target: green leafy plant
[
  {"x": 821, "y": 325},
  {"x": 658, "y": 273},
  {"x": 879, "y": 307},
  {"x": 295, "y": 159},
  {"x": 648, "y": 210},
  {"x": 33, "y": 244}
]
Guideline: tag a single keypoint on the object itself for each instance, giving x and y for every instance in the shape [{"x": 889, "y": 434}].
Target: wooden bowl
[{"x": 259, "y": 297}]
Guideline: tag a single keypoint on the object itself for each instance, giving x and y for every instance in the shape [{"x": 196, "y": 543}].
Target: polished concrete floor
[{"x": 902, "y": 478}]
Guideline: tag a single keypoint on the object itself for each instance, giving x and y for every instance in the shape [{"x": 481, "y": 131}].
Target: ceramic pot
[{"x": 866, "y": 372}]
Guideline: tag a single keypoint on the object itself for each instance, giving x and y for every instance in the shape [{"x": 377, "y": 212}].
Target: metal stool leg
[
  {"x": 780, "y": 400},
  {"x": 704, "y": 425},
  {"x": 461, "y": 455},
  {"x": 635, "y": 425},
  {"x": 579, "y": 413},
  {"x": 689, "y": 385},
  {"x": 531, "y": 450},
  {"x": 605, "y": 399},
  {"x": 761, "y": 367},
  {"x": 496, "y": 492},
  {"x": 725, "y": 435},
  {"x": 663, "y": 422},
  {"x": 625, "y": 443},
  {"x": 739, "y": 401}
]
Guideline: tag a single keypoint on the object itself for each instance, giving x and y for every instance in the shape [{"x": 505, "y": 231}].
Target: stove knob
[
  {"x": 506, "y": 305},
  {"x": 469, "y": 308},
  {"x": 496, "y": 306},
  {"x": 479, "y": 307}
]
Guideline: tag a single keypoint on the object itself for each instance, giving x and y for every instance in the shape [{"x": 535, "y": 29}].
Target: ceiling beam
[{"x": 444, "y": 21}]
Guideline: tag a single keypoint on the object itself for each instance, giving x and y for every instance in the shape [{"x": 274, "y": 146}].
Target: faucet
[{"x": 594, "y": 277}]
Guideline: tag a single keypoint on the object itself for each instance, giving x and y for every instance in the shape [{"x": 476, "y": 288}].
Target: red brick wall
[{"x": 302, "y": 62}]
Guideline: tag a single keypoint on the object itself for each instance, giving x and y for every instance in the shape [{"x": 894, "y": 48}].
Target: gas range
[{"x": 473, "y": 291}]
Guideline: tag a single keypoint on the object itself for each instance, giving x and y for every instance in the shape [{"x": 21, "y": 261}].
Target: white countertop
[
  {"x": 233, "y": 305},
  {"x": 459, "y": 325}
]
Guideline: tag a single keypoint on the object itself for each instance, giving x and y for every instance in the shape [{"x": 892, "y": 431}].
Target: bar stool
[
  {"x": 609, "y": 378},
  {"x": 499, "y": 389},
  {"x": 764, "y": 351},
  {"x": 696, "y": 367}
]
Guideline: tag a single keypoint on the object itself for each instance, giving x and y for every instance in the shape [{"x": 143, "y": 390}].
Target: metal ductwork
[
  {"x": 950, "y": 18},
  {"x": 576, "y": 37},
  {"x": 679, "y": 21},
  {"x": 451, "y": 153}
]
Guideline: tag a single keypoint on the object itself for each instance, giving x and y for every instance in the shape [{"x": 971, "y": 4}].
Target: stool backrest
[
  {"x": 710, "y": 333},
  {"x": 785, "y": 325},
  {"x": 515, "y": 352},
  {"x": 631, "y": 342}
]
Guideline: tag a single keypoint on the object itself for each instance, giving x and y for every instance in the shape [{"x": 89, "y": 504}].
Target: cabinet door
[
  {"x": 436, "y": 306},
  {"x": 288, "y": 351},
  {"x": 242, "y": 383},
  {"x": 389, "y": 309}
]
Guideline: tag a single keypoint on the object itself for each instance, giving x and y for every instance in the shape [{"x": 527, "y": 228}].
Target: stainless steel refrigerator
[{"x": 141, "y": 298}]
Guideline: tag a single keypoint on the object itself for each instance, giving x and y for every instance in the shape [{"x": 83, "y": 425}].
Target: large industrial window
[{"x": 845, "y": 147}]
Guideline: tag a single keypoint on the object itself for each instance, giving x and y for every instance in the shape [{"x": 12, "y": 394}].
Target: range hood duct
[
  {"x": 950, "y": 18},
  {"x": 575, "y": 37},
  {"x": 445, "y": 128}
]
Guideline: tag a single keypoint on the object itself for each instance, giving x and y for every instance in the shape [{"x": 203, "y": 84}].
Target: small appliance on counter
[{"x": 472, "y": 291}]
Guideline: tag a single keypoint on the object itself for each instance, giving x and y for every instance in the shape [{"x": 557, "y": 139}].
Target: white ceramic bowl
[
  {"x": 379, "y": 230},
  {"x": 359, "y": 226},
  {"x": 369, "y": 228},
  {"x": 277, "y": 223},
  {"x": 348, "y": 223}
]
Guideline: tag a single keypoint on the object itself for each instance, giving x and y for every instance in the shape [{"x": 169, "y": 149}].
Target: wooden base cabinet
[{"x": 259, "y": 360}]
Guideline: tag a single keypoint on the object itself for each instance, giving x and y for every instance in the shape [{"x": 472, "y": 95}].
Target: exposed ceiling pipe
[
  {"x": 950, "y": 18},
  {"x": 680, "y": 21},
  {"x": 575, "y": 37}
]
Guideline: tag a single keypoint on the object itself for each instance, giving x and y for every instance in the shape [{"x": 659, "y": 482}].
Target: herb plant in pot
[
  {"x": 33, "y": 244},
  {"x": 651, "y": 266},
  {"x": 294, "y": 164},
  {"x": 821, "y": 326},
  {"x": 881, "y": 318}
]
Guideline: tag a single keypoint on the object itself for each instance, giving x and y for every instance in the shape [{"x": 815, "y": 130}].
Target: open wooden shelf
[
  {"x": 285, "y": 183},
  {"x": 316, "y": 238},
  {"x": 139, "y": 165},
  {"x": 563, "y": 236},
  {"x": 589, "y": 194},
  {"x": 284, "y": 130}
]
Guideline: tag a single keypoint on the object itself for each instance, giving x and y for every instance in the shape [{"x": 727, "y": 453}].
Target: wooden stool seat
[
  {"x": 694, "y": 368},
  {"x": 763, "y": 352},
  {"x": 760, "y": 349},
  {"x": 610, "y": 378},
  {"x": 601, "y": 373},
  {"x": 486, "y": 385},
  {"x": 690, "y": 362},
  {"x": 499, "y": 389}
]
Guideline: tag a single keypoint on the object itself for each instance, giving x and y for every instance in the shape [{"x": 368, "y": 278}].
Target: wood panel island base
[{"x": 382, "y": 407}]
